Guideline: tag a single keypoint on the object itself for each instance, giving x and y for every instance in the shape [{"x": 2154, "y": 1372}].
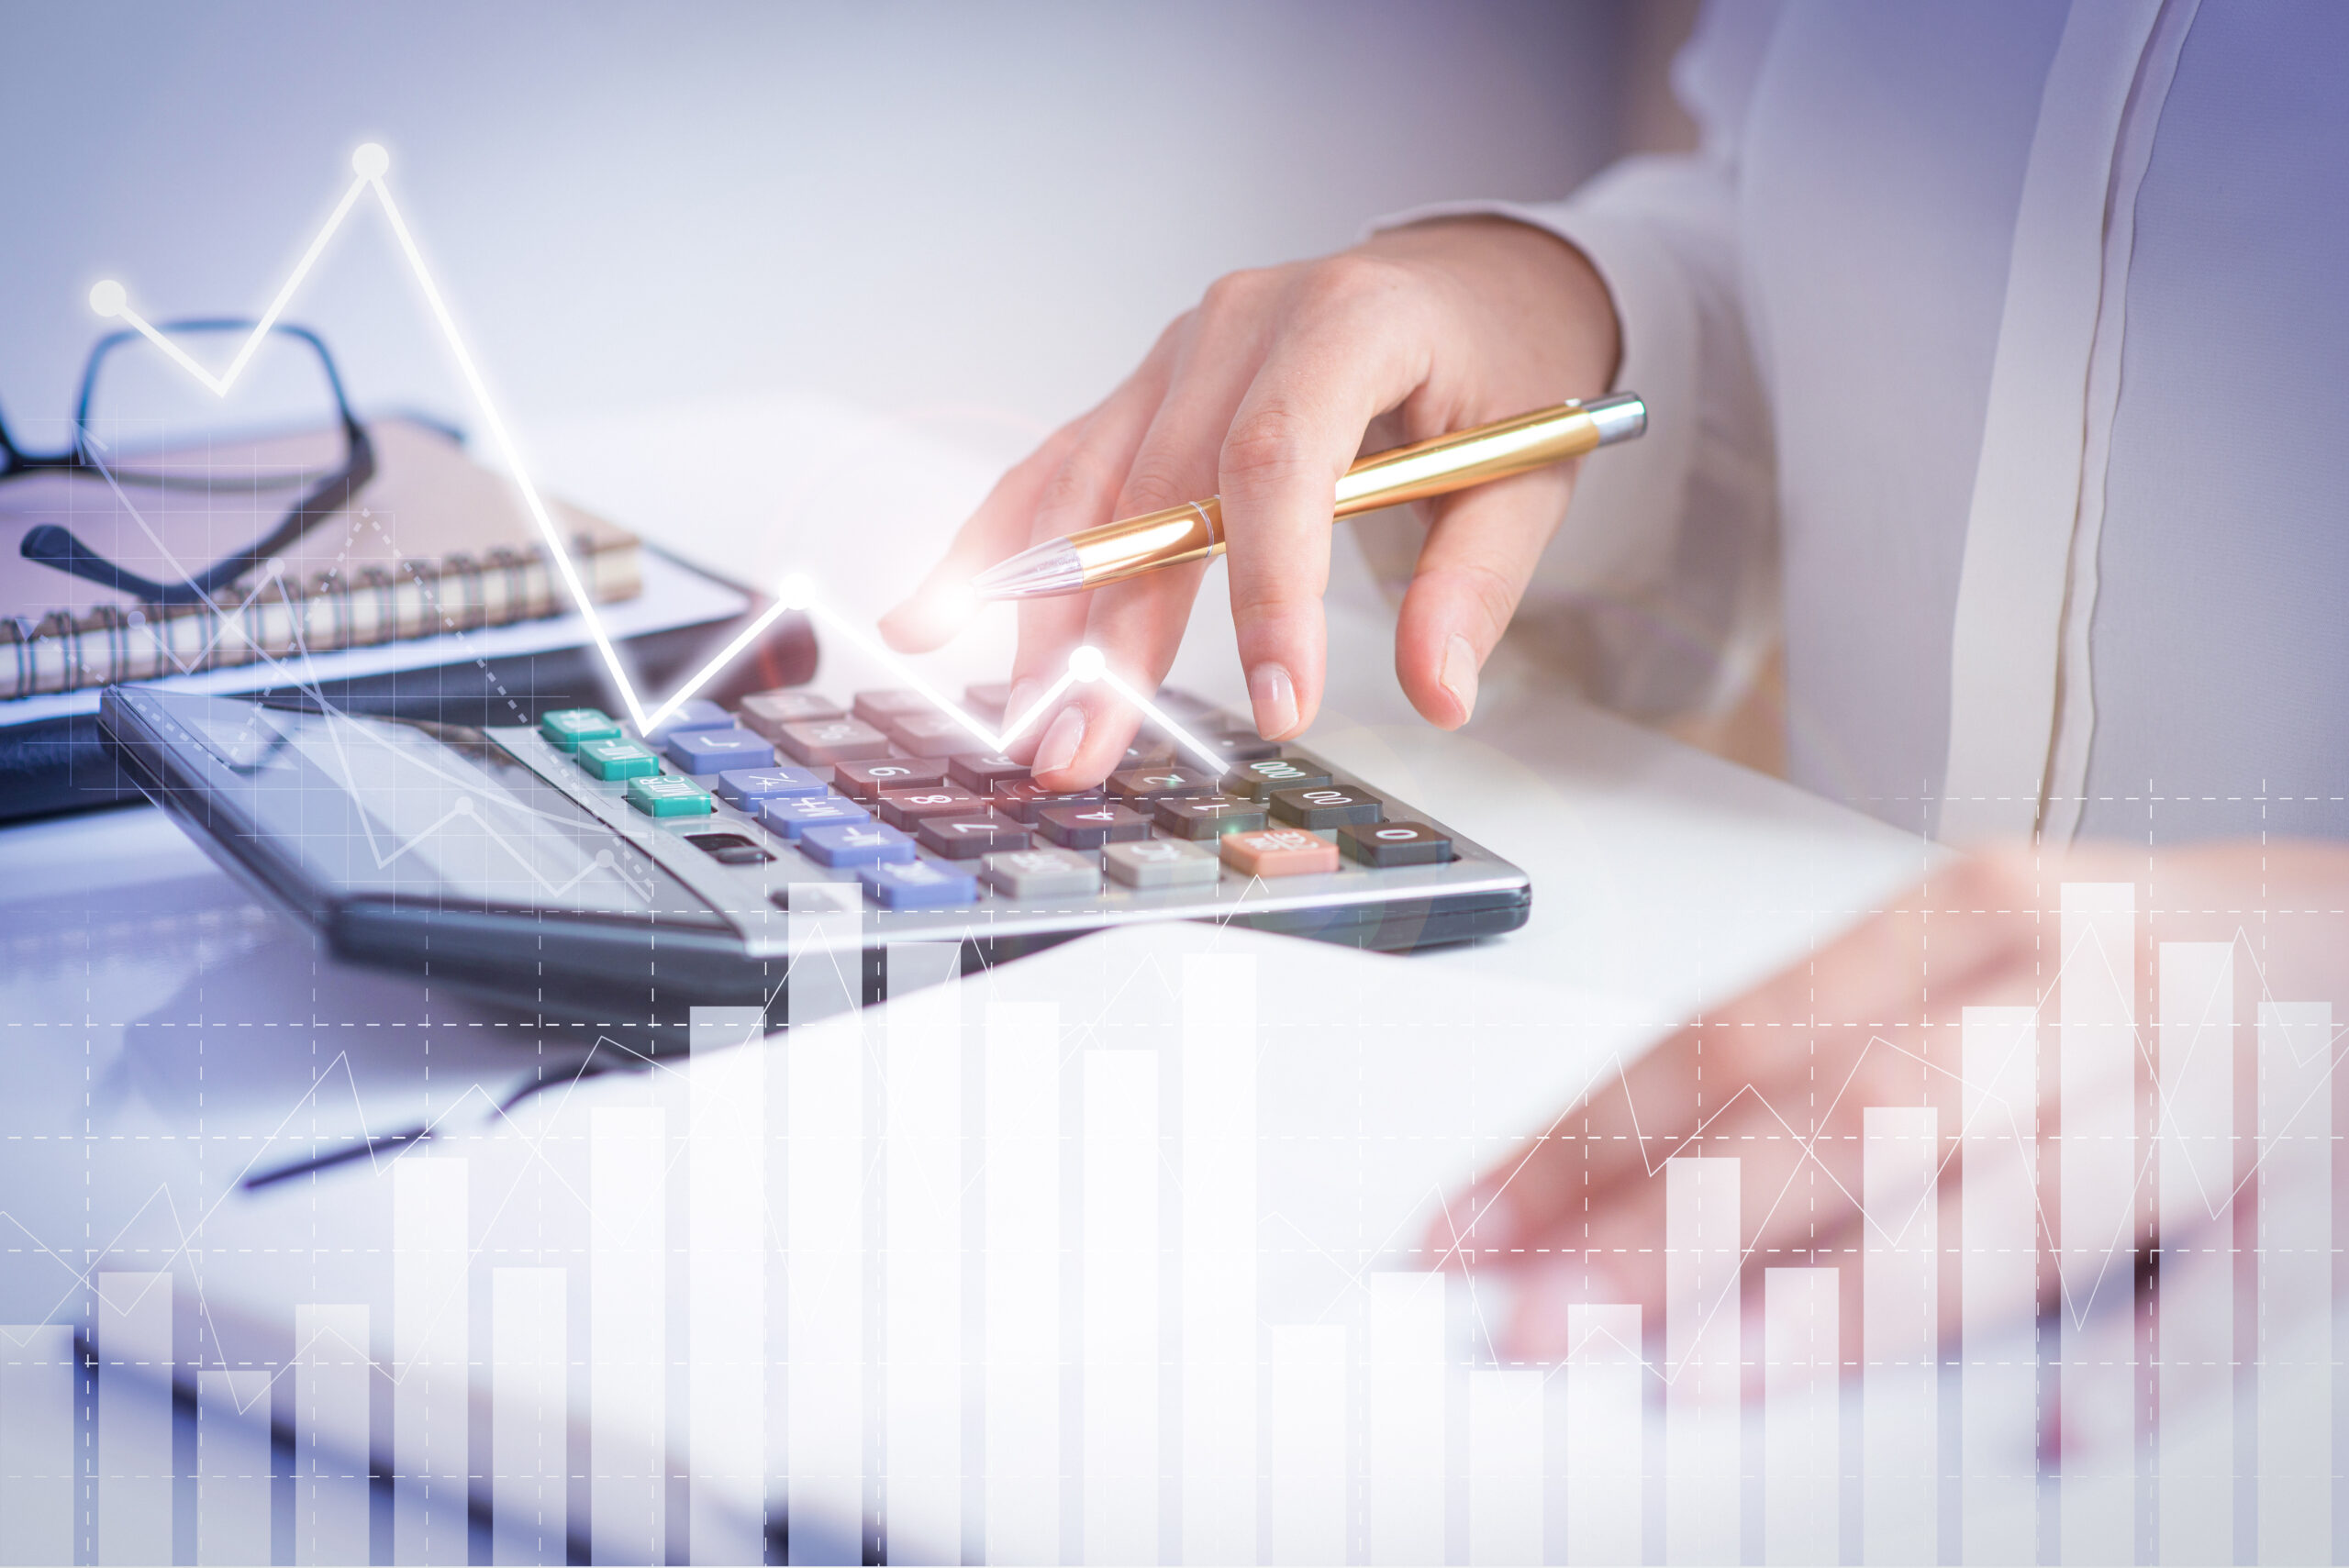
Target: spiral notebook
[{"x": 434, "y": 543}]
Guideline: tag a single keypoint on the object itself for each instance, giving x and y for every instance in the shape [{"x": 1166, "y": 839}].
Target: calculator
[{"x": 587, "y": 872}]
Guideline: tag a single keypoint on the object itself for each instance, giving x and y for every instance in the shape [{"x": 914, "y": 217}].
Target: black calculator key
[
  {"x": 968, "y": 837},
  {"x": 1023, "y": 798},
  {"x": 1258, "y": 779},
  {"x": 1326, "y": 805},
  {"x": 1241, "y": 745},
  {"x": 820, "y": 742},
  {"x": 1153, "y": 784},
  {"x": 1394, "y": 844},
  {"x": 904, "y": 807},
  {"x": 988, "y": 699},
  {"x": 768, "y": 712},
  {"x": 729, "y": 848},
  {"x": 1090, "y": 827},
  {"x": 865, "y": 781},
  {"x": 984, "y": 772},
  {"x": 1148, "y": 751},
  {"x": 1207, "y": 816},
  {"x": 933, "y": 734},
  {"x": 880, "y": 707}
]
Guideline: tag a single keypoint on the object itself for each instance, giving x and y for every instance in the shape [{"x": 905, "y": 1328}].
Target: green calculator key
[
  {"x": 669, "y": 797},
  {"x": 617, "y": 760},
  {"x": 568, "y": 726}
]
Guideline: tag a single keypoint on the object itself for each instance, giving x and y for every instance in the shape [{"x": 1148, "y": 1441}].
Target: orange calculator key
[{"x": 1279, "y": 851}]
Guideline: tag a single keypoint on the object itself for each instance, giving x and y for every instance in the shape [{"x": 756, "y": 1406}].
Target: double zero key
[{"x": 1326, "y": 805}]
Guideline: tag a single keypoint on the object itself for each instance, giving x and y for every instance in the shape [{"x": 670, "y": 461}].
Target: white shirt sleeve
[{"x": 1667, "y": 553}]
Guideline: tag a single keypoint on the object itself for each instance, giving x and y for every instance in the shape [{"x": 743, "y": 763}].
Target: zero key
[{"x": 1394, "y": 844}]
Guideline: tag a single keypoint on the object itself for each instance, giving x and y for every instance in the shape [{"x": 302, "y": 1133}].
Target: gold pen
[{"x": 1193, "y": 531}]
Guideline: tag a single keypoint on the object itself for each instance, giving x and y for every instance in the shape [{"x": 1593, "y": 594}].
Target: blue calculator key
[
  {"x": 715, "y": 751},
  {"x": 745, "y": 787},
  {"x": 794, "y": 815},
  {"x": 694, "y": 714},
  {"x": 857, "y": 844},
  {"x": 919, "y": 884}
]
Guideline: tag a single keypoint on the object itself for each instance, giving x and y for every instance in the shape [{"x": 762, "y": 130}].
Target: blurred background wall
[{"x": 685, "y": 239}]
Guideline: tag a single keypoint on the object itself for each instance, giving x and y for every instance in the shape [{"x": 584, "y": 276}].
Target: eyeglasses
[{"x": 299, "y": 437}]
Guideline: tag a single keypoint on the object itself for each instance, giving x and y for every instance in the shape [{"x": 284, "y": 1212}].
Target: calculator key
[
  {"x": 795, "y": 815},
  {"x": 729, "y": 848},
  {"x": 856, "y": 844},
  {"x": 567, "y": 727},
  {"x": 820, "y": 742},
  {"x": 968, "y": 837},
  {"x": 1043, "y": 874},
  {"x": 1151, "y": 784},
  {"x": 669, "y": 797},
  {"x": 864, "y": 781},
  {"x": 933, "y": 734},
  {"x": 715, "y": 751},
  {"x": 1184, "y": 705},
  {"x": 1394, "y": 843},
  {"x": 1207, "y": 816},
  {"x": 768, "y": 712},
  {"x": 982, "y": 771},
  {"x": 1260, "y": 776},
  {"x": 1148, "y": 751},
  {"x": 1090, "y": 827},
  {"x": 745, "y": 787},
  {"x": 695, "y": 714},
  {"x": 877, "y": 706},
  {"x": 919, "y": 884},
  {"x": 1160, "y": 862},
  {"x": 1326, "y": 805},
  {"x": 988, "y": 699},
  {"x": 1023, "y": 798},
  {"x": 617, "y": 760},
  {"x": 1241, "y": 745},
  {"x": 904, "y": 807},
  {"x": 1278, "y": 852}
]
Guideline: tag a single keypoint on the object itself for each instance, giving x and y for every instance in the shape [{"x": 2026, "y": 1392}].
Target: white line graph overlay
[{"x": 368, "y": 164}]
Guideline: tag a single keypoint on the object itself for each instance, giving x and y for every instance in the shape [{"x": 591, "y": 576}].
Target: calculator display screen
[{"x": 368, "y": 806}]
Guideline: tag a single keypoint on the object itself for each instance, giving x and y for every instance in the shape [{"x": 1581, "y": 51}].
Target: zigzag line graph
[{"x": 368, "y": 165}]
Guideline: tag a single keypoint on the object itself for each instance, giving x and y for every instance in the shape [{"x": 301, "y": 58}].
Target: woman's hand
[
  {"x": 1263, "y": 394},
  {"x": 1781, "y": 1077}
]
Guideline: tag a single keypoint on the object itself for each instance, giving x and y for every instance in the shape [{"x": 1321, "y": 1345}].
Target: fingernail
[
  {"x": 1058, "y": 748},
  {"x": 1459, "y": 674},
  {"x": 1273, "y": 695}
]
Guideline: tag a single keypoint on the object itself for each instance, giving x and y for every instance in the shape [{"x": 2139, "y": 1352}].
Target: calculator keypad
[{"x": 913, "y": 806}]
